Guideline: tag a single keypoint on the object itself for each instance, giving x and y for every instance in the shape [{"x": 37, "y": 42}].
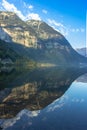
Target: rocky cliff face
[
  {"x": 37, "y": 40},
  {"x": 43, "y": 30},
  {"x": 47, "y": 36},
  {"x": 13, "y": 29},
  {"x": 31, "y": 33},
  {"x": 82, "y": 51}
]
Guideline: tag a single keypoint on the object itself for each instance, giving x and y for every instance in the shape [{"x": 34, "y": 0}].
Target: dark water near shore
[{"x": 44, "y": 98}]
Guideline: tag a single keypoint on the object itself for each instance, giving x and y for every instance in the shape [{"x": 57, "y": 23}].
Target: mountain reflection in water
[{"x": 34, "y": 89}]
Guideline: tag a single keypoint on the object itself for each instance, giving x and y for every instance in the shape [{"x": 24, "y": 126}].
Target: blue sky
[{"x": 66, "y": 16}]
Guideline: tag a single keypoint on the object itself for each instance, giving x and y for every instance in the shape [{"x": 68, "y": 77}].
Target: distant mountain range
[
  {"x": 36, "y": 40},
  {"x": 82, "y": 51},
  {"x": 82, "y": 79}
]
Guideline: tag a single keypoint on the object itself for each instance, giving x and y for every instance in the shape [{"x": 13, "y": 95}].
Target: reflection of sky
[
  {"x": 67, "y": 113},
  {"x": 78, "y": 92}
]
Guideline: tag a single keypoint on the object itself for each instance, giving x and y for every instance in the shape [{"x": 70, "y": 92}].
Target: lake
[{"x": 43, "y": 99}]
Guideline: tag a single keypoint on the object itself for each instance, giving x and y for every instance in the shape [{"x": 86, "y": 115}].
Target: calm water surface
[{"x": 43, "y": 99}]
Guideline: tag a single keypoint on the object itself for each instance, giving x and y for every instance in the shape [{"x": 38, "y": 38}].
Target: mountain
[
  {"x": 13, "y": 29},
  {"x": 82, "y": 51},
  {"x": 82, "y": 78},
  {"x": 55, "y": 44},
  {"x": 7, "y": 54},
  {"x": 37, "y": 40}
]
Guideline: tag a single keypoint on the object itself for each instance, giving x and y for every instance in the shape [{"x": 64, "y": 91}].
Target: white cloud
[
  {"x": 55, "y": 23},
  {"x": 35, "y": 113},
  {"x": 72, "y": 30},
  {"x": 27, "y": 6},
  {"x": 59, "y": 103},
  {"x": 33, "y": 16},
  {"x": 11, "y": 7},
  {"x": 76, "y": 100},
  {"x": 76, "y": 30},
  {"x": 66, "y": 31},
  {"x": 31, "y": 7},
  {"x": 44, "y": 11},
  {"x": 58, "y": 27},
  {"x": 6, "y": 124},
  {"x": 55, "y": 107}
]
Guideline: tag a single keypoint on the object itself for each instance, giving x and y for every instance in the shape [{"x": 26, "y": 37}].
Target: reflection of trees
[{"x": 36, "y": 90}]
